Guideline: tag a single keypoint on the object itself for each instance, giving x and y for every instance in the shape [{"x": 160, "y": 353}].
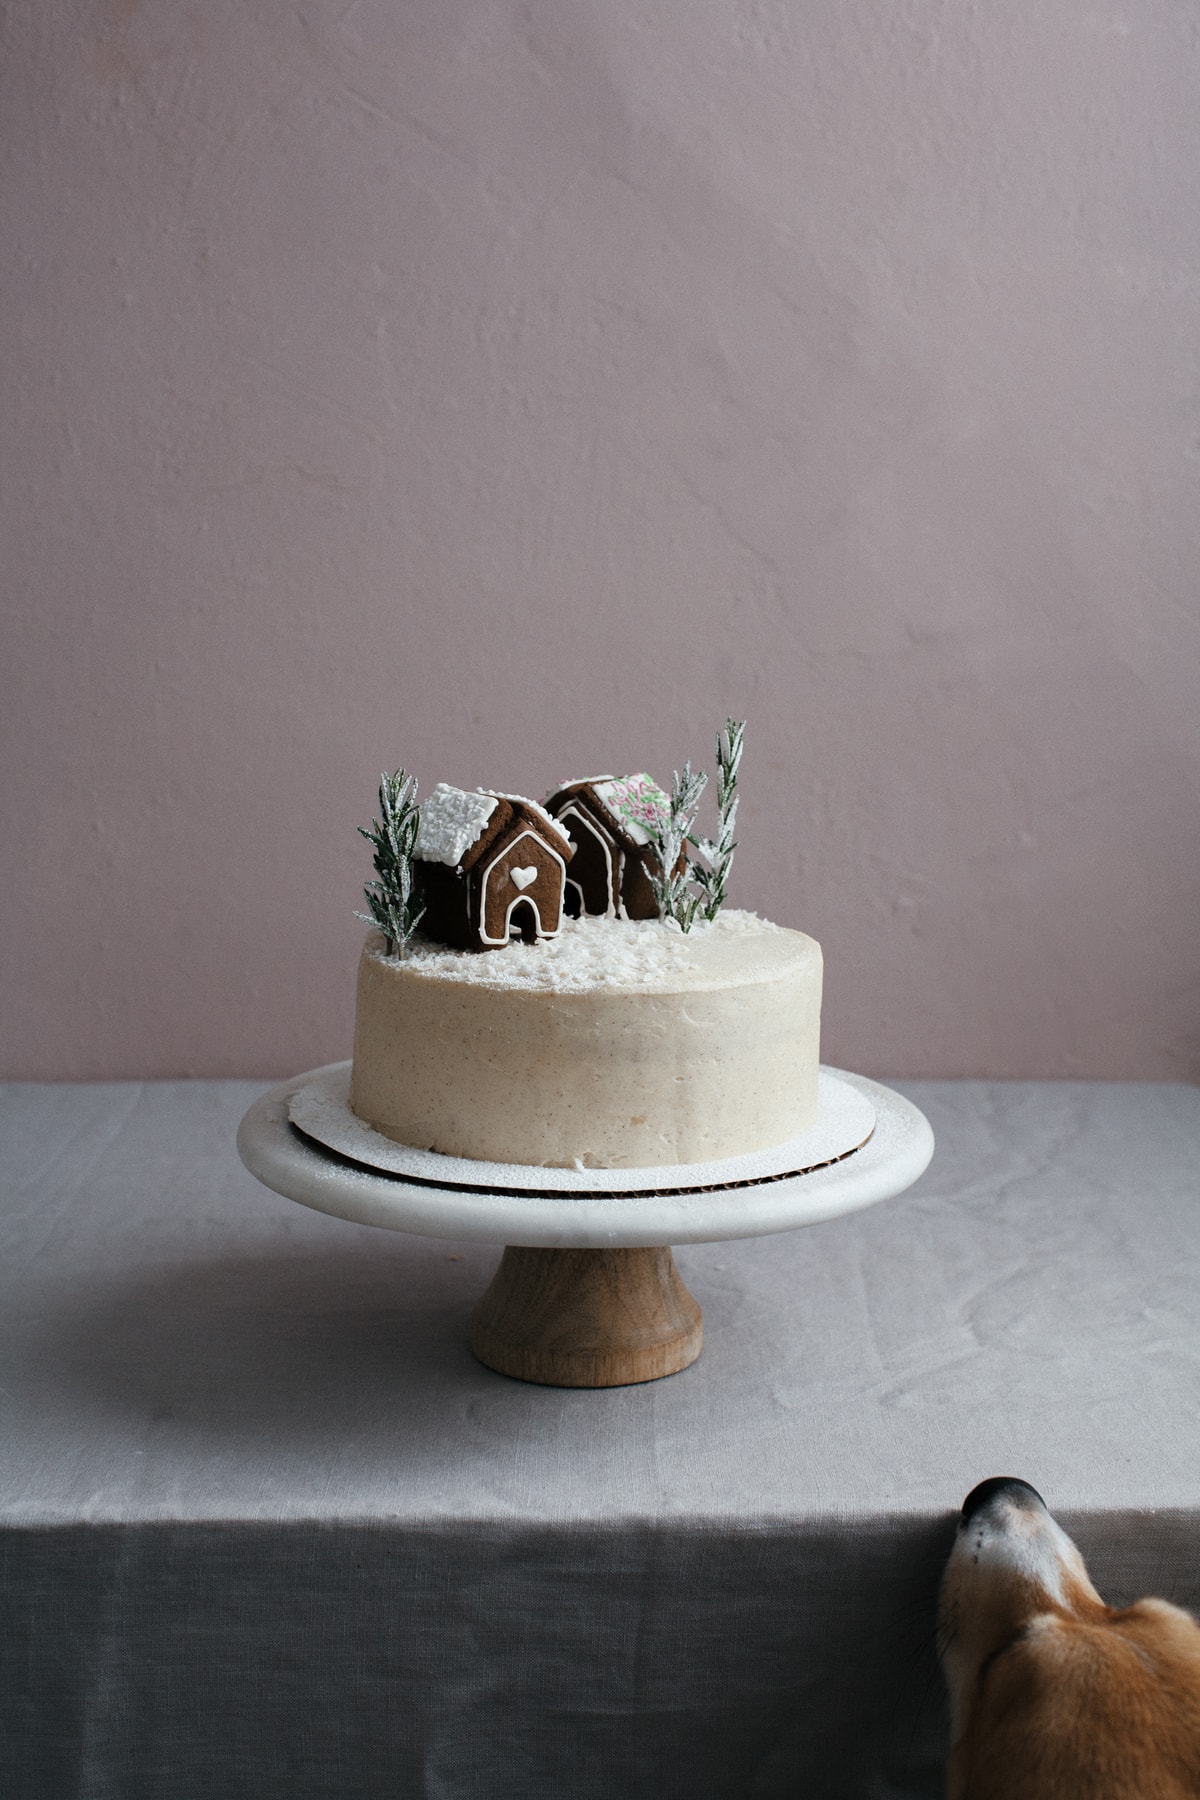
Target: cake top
[
  {"x": 624, "y": 955},
  {"x": 634, "y": 850}
]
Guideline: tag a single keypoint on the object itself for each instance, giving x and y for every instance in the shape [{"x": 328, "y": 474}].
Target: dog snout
[{"x": 1008, "y": 1488}]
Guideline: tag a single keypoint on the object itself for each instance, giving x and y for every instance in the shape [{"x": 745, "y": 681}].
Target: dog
[{"x": 1053, "y": 1695}]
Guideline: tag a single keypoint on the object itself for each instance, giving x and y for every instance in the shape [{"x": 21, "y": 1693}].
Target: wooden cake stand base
[
  {"x": 587, "y": 1318},
  {"x": 587, "y": 1295}
]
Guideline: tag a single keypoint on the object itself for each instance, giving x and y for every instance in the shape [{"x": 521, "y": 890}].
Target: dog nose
[{"x": 1011, "y": 1487}]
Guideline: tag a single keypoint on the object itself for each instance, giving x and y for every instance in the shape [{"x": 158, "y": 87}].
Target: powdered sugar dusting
[
  {"x": 452, "y": 819},
  {"x": 591, "y": 952}
]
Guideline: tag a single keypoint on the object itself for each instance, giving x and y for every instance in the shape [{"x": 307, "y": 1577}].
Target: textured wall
[{"x": 514, "y": 389}]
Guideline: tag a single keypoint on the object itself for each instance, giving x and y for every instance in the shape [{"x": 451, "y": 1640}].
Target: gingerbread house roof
[
  {"x": 630, "y": 805},
  {"x": 459, "y": 824}
]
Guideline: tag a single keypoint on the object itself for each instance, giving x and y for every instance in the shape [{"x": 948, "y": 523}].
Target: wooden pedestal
[{"x": 587, "y": 1318}]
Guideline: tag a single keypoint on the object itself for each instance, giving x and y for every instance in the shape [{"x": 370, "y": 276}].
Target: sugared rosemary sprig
[
  {"x": 687, "y": 889},
  {"x": 393, "y": 837},
  {"x": 672, "y": 884},
  {"x": 712, "y": 875}
]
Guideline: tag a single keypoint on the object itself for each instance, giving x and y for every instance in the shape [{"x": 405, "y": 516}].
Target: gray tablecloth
[{"x": 268, "y": 1530}]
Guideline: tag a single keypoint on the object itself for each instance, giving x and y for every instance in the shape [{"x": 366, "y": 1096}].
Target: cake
[
  {"x": 616, "y": 1044},
  {"x": 653, "y": 1028}
]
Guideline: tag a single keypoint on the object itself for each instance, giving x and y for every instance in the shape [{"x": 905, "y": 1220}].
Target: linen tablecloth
[{"x": 268, "y": 1530}]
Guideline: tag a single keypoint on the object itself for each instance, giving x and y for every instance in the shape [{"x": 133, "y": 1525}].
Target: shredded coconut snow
[
  {"x": 591, "y": 952},
  {"x": 451, "y": 821}
]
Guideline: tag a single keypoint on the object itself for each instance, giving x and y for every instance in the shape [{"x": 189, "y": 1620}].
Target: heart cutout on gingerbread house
[{"x": 524, "y": 877}]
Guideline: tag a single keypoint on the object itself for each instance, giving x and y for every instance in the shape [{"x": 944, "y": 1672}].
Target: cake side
[{"x": 615, "y": 1046}]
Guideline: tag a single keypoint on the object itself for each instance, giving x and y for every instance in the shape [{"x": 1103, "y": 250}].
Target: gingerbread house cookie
[
  {"x": 610, "y": 819},
  {"x": 487, "y": 867}
]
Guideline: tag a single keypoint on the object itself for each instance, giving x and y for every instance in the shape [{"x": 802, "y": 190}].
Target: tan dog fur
[{"x": 1053, "y": 1695}]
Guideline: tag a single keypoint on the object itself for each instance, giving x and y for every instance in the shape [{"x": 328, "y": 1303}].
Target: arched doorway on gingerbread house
[{"x": 523, "y": 922}]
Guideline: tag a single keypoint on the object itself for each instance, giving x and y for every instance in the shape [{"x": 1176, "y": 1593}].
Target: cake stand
[{"x": 587, "y": 1293}]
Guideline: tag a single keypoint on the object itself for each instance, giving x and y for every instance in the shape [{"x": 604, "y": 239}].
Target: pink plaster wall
[{"x": 512, "y": 389}]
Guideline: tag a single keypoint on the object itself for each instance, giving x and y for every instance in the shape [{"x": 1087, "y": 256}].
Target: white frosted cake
[{"x": 614, "y": 1043}]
